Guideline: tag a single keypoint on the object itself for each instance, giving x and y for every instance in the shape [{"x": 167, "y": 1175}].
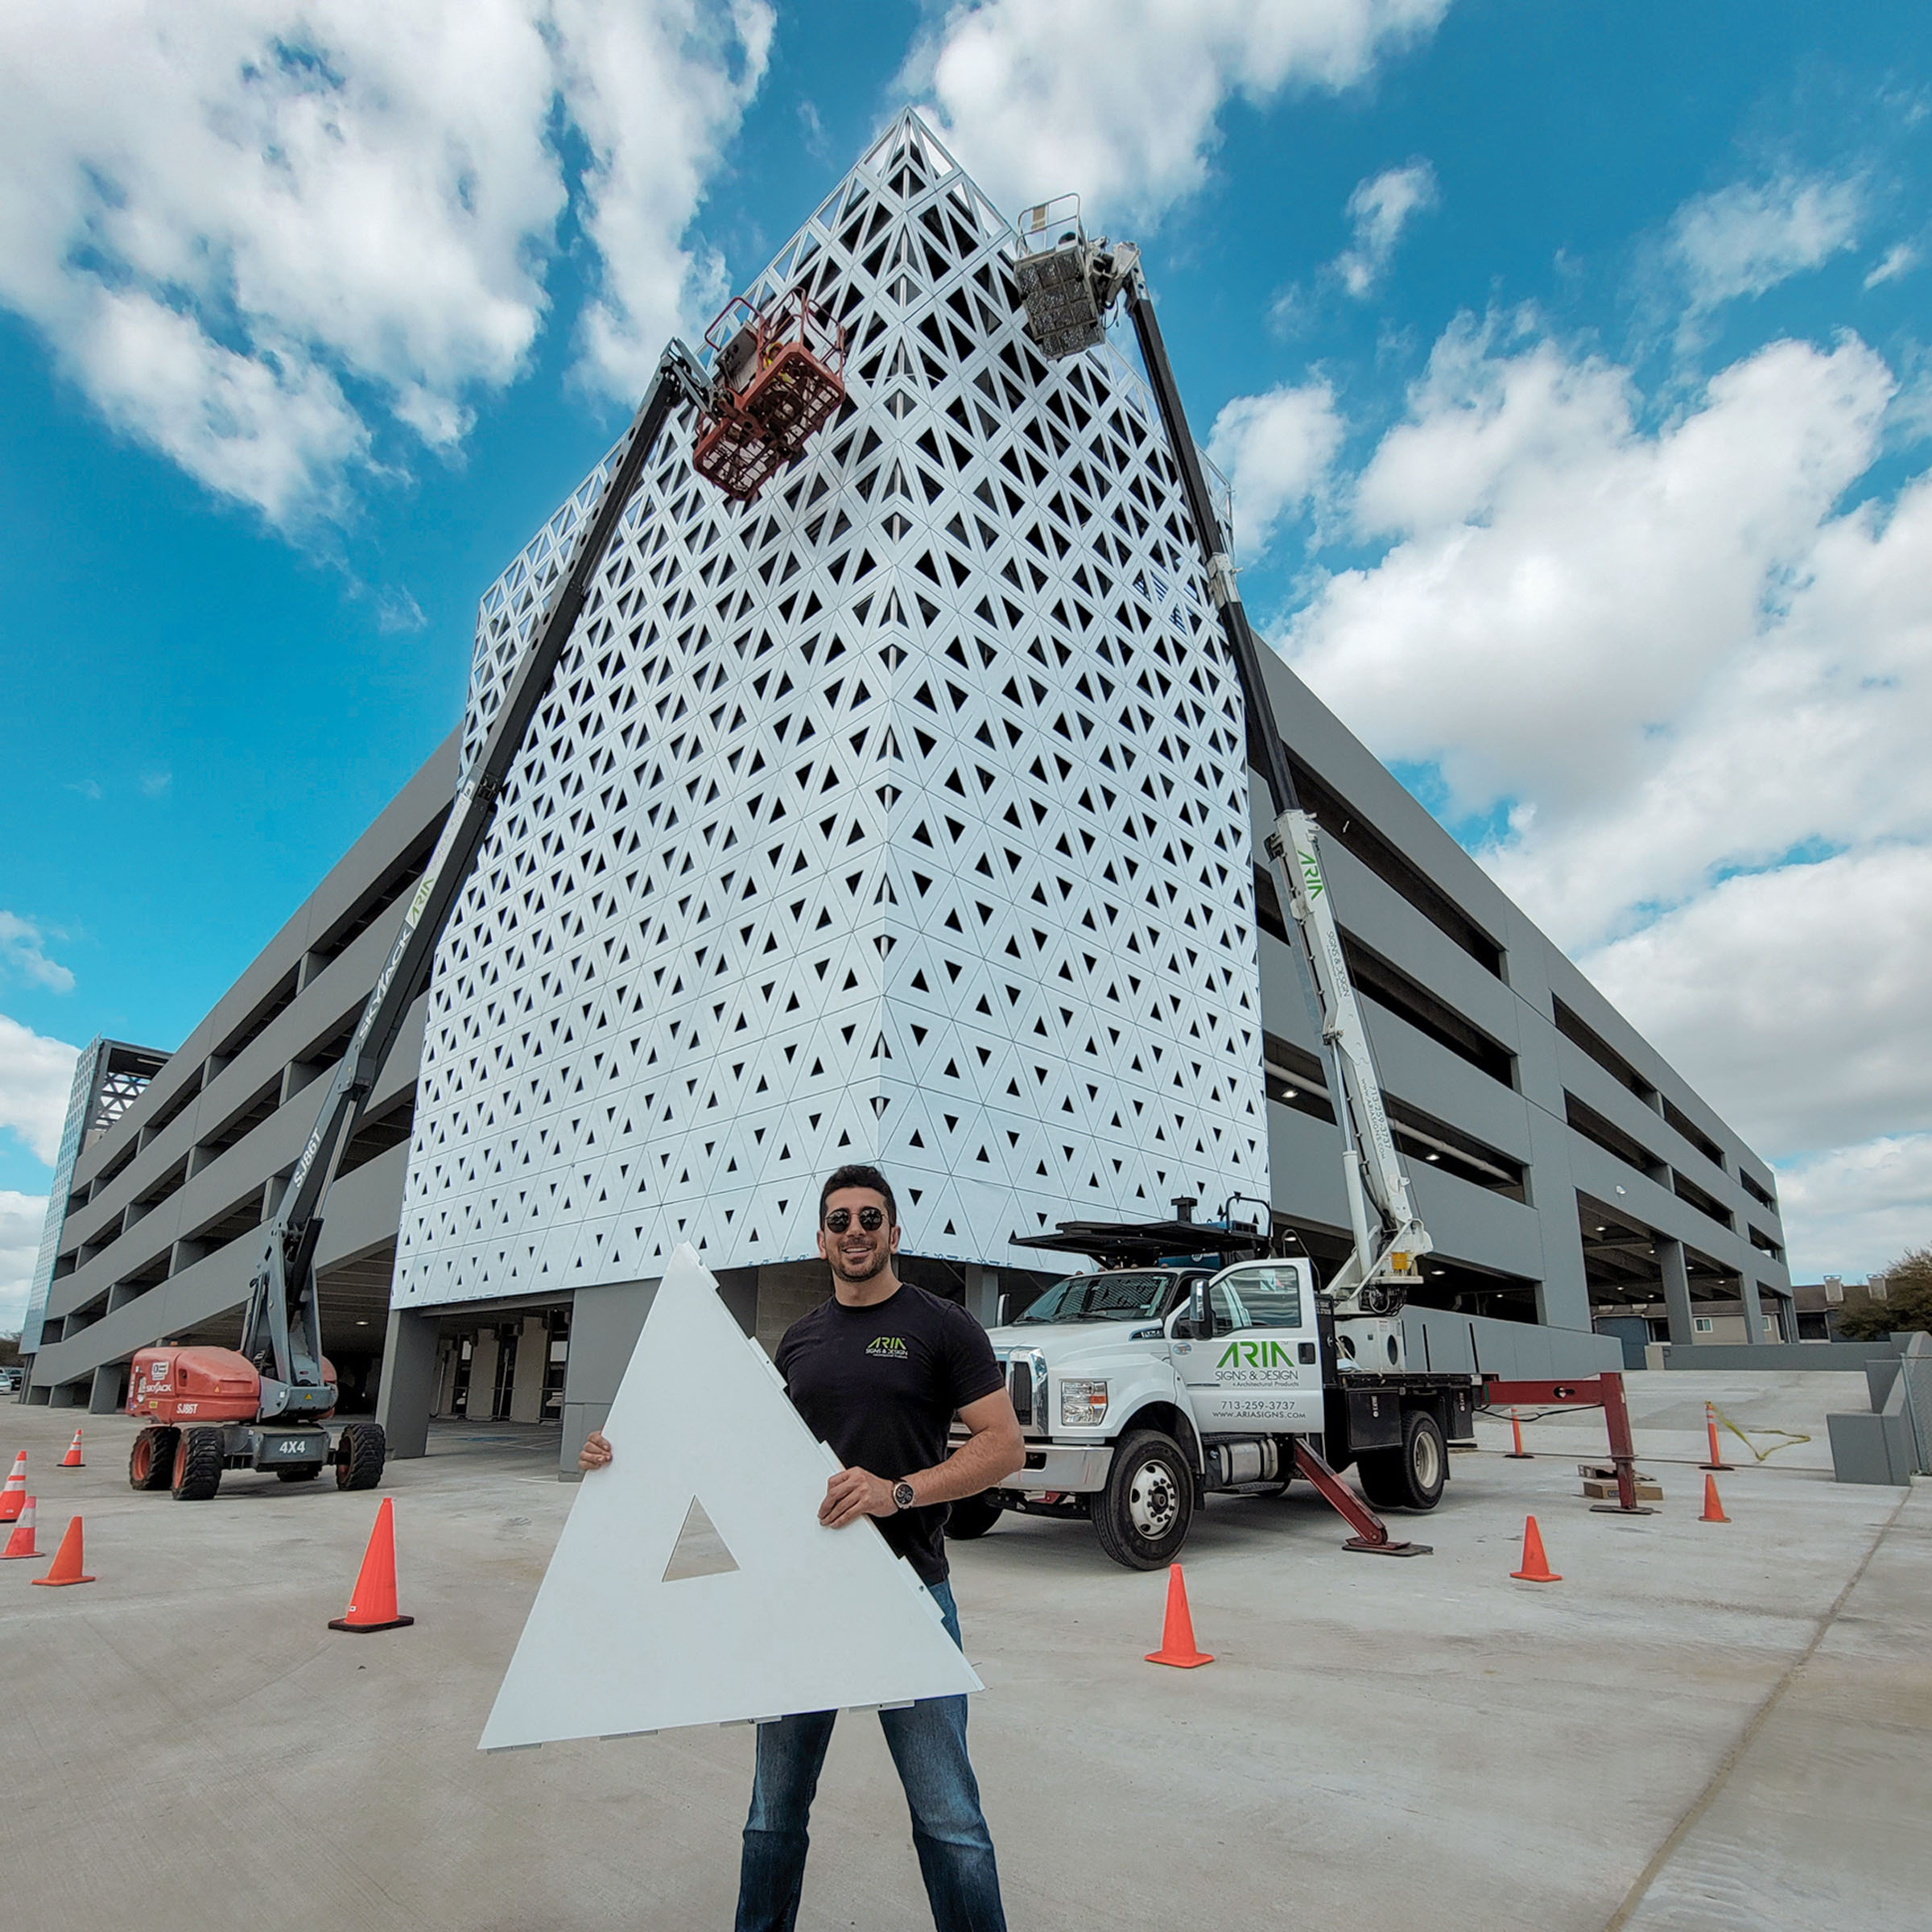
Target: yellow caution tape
[{"x": 1792, "y": 1438}]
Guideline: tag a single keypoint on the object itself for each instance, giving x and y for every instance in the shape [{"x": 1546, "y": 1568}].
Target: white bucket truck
[{"x": 1143, "y": 1391}]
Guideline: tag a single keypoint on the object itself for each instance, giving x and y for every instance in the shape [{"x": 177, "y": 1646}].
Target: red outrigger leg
[
  {"x": 1604, "y": 1392},
  {"x": 1371, "y": 1536}
]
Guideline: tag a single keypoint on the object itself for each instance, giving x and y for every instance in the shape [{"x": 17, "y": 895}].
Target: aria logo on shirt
[{"x": 888, "y": 1347}]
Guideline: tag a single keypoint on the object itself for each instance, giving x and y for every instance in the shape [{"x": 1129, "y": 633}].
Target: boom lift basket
[
  {"x": 1055, "y": 278},
  {"x": 778, "y": 377}
]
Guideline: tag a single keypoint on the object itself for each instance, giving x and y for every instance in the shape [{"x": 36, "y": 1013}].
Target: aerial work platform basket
[{"x": 778, "y": 377}]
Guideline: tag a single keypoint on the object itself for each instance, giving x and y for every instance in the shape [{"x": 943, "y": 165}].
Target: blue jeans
[{"x": 927, "y": 1741}]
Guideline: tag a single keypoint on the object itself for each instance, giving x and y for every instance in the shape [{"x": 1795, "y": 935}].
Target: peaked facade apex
[{"x": 901, "y": 815}]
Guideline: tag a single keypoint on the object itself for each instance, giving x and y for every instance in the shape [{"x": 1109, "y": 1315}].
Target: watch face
[{"x": 901, "y": 1494}]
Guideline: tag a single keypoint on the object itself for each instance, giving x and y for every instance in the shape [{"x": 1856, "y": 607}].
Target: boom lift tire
[
  {"x": 359, "y": 1455},
  {"x": 971, "y": 1516},
  {"x": 151, "y": 1462},
  {"x": 1412, "y": 1477},
  {"x": 199, "y": 1458},
  {"x": 1143, "y": 1515}
]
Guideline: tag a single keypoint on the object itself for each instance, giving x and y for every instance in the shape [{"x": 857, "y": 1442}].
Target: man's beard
[{"x": 843, "y": 1269}]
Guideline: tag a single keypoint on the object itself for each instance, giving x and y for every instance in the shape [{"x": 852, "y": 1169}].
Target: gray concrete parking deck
[{"x": 1702, "y": 1726}]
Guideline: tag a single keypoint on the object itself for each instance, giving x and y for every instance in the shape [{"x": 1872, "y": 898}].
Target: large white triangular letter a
[{"x": 693, "y": 1583}]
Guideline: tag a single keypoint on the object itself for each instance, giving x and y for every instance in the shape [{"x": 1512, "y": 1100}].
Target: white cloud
[
  {"x": 262, "y": 235},
  {"x": 655, "y": 89},
  {"x": 1567, "y": 592},
  {"x": 1746, "y": 238},
  {"x": 1275, "y": 450},
  {"x": 23, "y": 953},
  {"x": 36, "y": 1075},
  {"x": 1694, "y": 691},
  {"x": 1380, "y": 209},
  {"x": 1121, "y": 99},
  {"x": 1802, "y": 995},
  {"x": 1896, "y": 261},
  {"x": 20, "y": 1215},
  {"x": 397, "y": 610},
  {"x": 1852, "y": 1211}
]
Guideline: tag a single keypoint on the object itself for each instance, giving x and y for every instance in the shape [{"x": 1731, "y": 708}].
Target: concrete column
[
  {"x": 445, "y": 1379},
  {"x": 408, "y": 1388},
  {"x": 604, "y": 1325},
  {"x": 1677, "y": 1291},
  {"x": 110, "y": 1391},
  {"x": 482, "y": 1405},
  {"x": 1754, "y": 1311},
  {"x": 533, "y": 1352},
  {"x": 983, "y": 1295}
]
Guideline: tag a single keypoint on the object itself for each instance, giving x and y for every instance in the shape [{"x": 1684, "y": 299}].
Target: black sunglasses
[{"x": 872, "y": 1219}]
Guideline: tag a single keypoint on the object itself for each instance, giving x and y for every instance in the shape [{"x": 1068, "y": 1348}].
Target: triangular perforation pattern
[{"x": 900, "y": 816}]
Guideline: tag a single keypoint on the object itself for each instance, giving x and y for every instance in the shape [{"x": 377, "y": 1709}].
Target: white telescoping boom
[{"x": 1068, "y": 283}]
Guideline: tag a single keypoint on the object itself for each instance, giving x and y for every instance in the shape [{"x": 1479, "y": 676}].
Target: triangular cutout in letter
[
  {"x": 699, "y": 1550},
  {"x": 807, "y": 1618}
]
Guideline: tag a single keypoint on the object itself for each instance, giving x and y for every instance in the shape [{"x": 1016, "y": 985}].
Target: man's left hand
[{"x": 853, "y": 1493}]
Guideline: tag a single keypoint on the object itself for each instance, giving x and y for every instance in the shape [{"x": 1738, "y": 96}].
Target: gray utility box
[{"x": 1894, "y": 1442}]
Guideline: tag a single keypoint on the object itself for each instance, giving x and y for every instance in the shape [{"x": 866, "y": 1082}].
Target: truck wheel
[
  {"x": 199, "y": 1455},
  {"x": 1143, "y": 1515},
  {"x": 971, "y": 1516},
  {"x": 305, "y": 1473},
  {"x": 151, "y": 1462},
  {"x": 1412, "y": 1477},
  {"x": 360, "y": 1451}
]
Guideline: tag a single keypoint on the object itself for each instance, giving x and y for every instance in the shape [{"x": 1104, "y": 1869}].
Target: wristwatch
[{"x": 902, "y": 1497}]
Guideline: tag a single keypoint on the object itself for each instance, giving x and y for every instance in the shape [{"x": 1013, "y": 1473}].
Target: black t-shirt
[{"x": 879, "y": 1387}]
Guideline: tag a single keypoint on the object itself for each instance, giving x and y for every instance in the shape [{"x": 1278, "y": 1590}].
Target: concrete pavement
[{"x": 1702, "y": 1726}]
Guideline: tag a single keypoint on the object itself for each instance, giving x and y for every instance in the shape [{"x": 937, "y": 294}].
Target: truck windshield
[{"x": 1102, "y": 1298}]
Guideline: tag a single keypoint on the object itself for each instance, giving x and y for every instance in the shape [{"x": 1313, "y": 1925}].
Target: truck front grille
[{"x": 1026, "y": 1384}]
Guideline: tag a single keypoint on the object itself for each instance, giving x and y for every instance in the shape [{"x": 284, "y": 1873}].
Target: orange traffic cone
[
  {"x": 1714, "y": 1510},
  {"x": 71, "y": 1460},
  {"x": 1519, "y": 1454},
  {"x": 13, "y": 1498},
  {"x": 1716, "y": 1461},
  {"x": 1536, "y": 1566},
  {"x": 66, "y": 1559},
  {"x": 1177, "y": 1633},
  {"x": 20, "y": 1541},
  {"x": 372, "y": 1606}
]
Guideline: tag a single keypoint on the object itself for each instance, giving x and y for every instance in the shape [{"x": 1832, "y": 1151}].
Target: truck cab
[{"x": 1141, "y": 1391}]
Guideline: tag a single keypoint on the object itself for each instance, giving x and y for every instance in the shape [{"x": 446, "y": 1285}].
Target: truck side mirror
[
  {"x": 1002, "y": 1312},
  {"x": 1200, "y": 1321}
]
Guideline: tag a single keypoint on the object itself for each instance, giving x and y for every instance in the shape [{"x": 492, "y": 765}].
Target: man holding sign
[{"x": 878, "y": 1373}]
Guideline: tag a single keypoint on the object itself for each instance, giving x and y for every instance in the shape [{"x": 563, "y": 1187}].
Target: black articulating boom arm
[
  {"x": 282, "y": 1332},
  {"x": 1385, "y": 1253},
  {"x": 1068, "y": 283},
  {"x": 1265, "y": 749}
]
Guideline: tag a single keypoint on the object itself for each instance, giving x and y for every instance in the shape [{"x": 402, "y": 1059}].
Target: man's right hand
[{"x": 595, "y": 1452}]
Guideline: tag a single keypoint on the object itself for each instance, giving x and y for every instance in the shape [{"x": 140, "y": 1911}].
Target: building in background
[
  {"x": 151, "y": 1229},
  {"x": 903, "y": 815},
  {"x": 110, "y": 1076}
]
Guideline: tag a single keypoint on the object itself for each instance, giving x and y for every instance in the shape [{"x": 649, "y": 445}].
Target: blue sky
[{"x": 1570, "y": 364}]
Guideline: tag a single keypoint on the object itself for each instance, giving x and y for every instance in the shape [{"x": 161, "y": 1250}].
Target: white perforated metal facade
[{"x": 902, "y": 816}]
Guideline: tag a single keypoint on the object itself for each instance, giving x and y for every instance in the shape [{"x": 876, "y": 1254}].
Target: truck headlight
[{"x": 1082, "y": 1404}]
